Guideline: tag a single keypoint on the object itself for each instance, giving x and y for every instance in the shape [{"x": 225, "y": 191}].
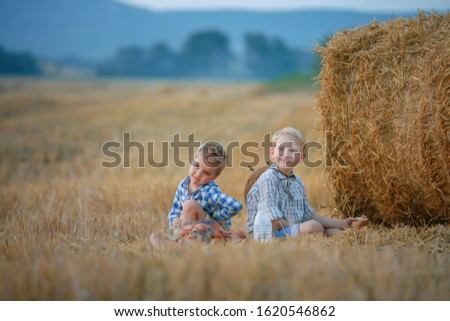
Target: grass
[
  {"x": 72, "y": 230},
  {"x": 292, "y": 82}
]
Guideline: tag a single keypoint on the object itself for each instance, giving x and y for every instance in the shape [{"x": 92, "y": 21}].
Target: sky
[{"x": 263, "y": 5}]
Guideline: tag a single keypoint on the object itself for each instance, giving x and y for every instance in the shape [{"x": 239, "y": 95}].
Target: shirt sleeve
[
  {"x": 270, "y": 194},
  {"x": 177, "y": 207},
  {"x": 309, "y": 211},
  {"x": 225, "y": 206}
]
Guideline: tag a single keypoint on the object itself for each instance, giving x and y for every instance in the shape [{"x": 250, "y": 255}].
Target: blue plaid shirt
[
  {"x": 219, "y": 206},
  {"x": 284, "y": 196}
]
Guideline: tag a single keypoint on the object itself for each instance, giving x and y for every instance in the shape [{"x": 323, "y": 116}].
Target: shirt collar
[
  {"x": 280, "y": 174},
  {"x": 188, "y": 180}
]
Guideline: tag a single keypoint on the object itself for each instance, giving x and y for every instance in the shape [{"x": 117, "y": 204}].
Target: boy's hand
[
  {"x": 176, "y": 223},
  {"x": 359, "y": 222},
  {"x": 347, "y": 223},
  {"x": 280, "y": 224}
]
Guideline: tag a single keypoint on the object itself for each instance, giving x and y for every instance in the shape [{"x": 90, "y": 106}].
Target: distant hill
[{"x": 95, "y": 29}]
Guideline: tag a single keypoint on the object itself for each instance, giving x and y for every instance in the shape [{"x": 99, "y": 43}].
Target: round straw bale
[
  {"x": 384, "y": 95},
  {"x": 253, "y": 178}
]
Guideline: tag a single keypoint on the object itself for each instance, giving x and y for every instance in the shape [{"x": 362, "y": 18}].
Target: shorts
[{"x": 292, "y": 231}]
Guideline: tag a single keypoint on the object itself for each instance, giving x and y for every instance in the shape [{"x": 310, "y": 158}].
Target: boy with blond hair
[{"x": 283, "y": 193}]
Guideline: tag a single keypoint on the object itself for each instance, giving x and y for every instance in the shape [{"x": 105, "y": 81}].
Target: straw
[{"x": 384, "y": 91}]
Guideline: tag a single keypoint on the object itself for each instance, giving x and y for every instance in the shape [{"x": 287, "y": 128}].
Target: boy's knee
[
  {"x": 190, "y": 205},
  {"x": 311, "y": 227},
  {"x": 192, "y": 211}
]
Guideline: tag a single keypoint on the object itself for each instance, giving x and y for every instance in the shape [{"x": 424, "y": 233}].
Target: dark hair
[{"x": 213, "y": 155}]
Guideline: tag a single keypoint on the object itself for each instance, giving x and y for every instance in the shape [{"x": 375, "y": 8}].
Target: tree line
[
  {"x": 208, "y": 54},
  {"x": 203, "y": 54},
  {"x": 18, "y": 63}
]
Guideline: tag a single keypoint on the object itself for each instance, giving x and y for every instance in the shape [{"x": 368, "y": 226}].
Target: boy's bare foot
[{"x": 157, "y": 241}]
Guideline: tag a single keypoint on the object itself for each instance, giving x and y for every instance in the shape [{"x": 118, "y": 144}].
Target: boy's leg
[
  {"x": 332, "y": 231},
  {"x": 192, "y": 211},
  {"x": 157, "y": 241},
  {"x": 311, "y": 227},
  {"x": 292, "y": 231}
]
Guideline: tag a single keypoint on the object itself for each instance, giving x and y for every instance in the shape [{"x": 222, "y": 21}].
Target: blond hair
[{"x": 292, "y": 132}]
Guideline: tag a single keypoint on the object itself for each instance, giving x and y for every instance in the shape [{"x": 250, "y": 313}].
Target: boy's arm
[
  {"x": 328, "y": 222},
  {"x": 280, "y": 224},
  {"x": 227, "y": 207},
  {"x": 269, "y": 194},
  {"x": 177, "y": 208}
]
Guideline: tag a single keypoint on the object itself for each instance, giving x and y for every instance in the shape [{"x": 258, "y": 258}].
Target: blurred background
[{"x": 245, "y": 40}]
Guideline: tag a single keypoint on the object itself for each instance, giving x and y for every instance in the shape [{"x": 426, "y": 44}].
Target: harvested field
[{"x": 73, "y": 230}]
